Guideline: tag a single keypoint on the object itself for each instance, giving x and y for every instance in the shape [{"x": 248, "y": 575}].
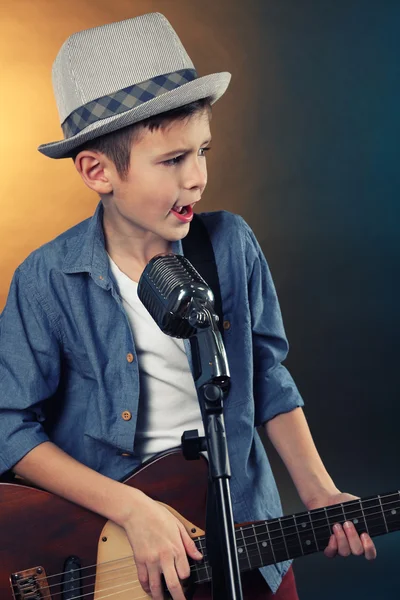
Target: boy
[{"x": 77, "y": 347}]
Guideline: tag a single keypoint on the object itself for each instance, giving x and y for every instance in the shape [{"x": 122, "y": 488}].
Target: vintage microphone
[
  {"x": 166, "y": 287},
  {"x": 182, "y": 305}
]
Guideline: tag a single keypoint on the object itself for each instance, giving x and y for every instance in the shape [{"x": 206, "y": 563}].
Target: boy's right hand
[{"x": 160, "y": 545}]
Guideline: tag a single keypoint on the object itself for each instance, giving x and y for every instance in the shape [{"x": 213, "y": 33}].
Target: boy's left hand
[{"x": 345, "y": 540}]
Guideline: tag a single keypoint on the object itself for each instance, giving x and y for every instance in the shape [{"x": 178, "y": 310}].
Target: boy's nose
[{"x": 196, "y": 177}]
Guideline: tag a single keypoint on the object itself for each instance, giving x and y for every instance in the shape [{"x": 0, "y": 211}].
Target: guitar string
[
  {"x": 129, "y": 589},
  {"x": 324, "y": 519},
  {"x": 99, "y": 591},
  {"x": 298, "y": 531},
  {"x": 295, "y": 535},
  {"x": 135, "y": 587},
  {"x": 286, "y": 527},
  {"x": 198, "y": 566}
]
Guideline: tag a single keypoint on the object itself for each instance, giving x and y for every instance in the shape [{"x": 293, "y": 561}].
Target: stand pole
[{"x": 211, "y": 375}]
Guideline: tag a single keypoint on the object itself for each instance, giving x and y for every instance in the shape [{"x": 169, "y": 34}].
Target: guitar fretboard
[{"x": 276, "y": 540}]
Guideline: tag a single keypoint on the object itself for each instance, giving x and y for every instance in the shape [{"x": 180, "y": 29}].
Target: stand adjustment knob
[
  {"x": 212, "y": 393},
  {"x": 192, "y": 444}
]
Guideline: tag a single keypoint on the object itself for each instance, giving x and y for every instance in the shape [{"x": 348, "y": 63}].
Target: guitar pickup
[{"x": 30, "y": 584}]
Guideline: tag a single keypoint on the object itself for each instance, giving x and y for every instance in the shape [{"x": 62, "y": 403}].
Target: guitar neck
[{"x": 273, "y": 541}]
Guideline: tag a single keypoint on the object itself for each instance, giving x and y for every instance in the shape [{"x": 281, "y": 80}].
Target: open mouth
[
  {"x": 181, "y": 210},
  {"x": 183, "y": 213}
]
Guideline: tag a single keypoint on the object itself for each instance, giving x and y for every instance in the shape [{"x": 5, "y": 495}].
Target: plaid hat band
[{"x": 124, "y": 100}]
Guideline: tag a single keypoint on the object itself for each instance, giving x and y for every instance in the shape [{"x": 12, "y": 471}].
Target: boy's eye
[{"x": 175, "y": 161}]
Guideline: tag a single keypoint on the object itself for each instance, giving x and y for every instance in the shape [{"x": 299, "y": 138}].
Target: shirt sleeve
[
  {"x": 29, "y": 369},
  {"x": 275, "y": 392}
]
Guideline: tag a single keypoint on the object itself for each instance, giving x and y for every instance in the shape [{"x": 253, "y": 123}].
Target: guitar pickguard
[{"x": 116, "y": 571}]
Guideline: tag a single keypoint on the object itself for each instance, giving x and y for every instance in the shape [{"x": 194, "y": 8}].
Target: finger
[
  {"x": 156, "y": 589},
  {"x": 331, "y": 549},
  {"x": 143, "y": 576},
  {"x": 369, "y": 546},
  {"x": 171, "y": 579},
  {"x": 189, "y": 544},
  {"x": 182, "y": 566},
  {"x": 341, "y": 539},
  {"x": 356, "y": 546}
]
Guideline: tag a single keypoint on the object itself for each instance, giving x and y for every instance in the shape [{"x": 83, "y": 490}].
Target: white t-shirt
[{"x": 168, "y": 403}]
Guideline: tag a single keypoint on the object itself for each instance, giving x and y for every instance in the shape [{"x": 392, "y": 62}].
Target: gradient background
[{"x": 305, "y": 149}]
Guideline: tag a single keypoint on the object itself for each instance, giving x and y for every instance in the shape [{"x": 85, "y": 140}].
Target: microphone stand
[{"x": 211, "y": 375}]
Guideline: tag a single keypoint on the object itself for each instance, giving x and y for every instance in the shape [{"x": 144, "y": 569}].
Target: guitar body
[
  {"x": 38, "y": 529},
  {"x": 51, "y": 549}
]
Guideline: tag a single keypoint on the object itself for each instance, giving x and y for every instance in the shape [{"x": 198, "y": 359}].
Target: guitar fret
[
  {"x": 264, "y": 544},
  {"x": 357, "y": 516},
  {"x": 298, "y": 535},
  {"x": 270, "y": 542},
  {"x": 365, "y": 520},
  {"x": 327, "y": 520},
  {"x": 204, "y": 565},
  {"x": 283, "y": 537},
  {"x": 383, "y": 514},
  {"x": 335, "y": 515},
  {"x": 201, "y": 578},
  {"x": 258, "y": 546},
  {"x": 312, "y": 528},
  {"x": 391, "y": 504},
  {"x": 240, "y": 549},
  {"x": 279, "y": 543},
  {"x": 322, "y": 531},
  {"x": 344, "y": 514},
  {"x": 375, "y": 518},
  {"x": 306, "y": 533},
  {"x": 293, "y": 542}
]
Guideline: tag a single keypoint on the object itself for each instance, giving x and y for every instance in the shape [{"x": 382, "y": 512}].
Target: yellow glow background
[{"x": 42, "y": 197}]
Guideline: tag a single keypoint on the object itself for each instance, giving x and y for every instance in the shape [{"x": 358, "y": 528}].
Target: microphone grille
[
  {"x": 168, "y": 271},
  {"x": 161, "y": 277}
]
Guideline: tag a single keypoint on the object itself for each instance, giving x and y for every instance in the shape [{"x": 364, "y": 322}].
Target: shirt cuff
[
  {"x": 19, "y": 442},
  {"x": 270, "y": 402}
]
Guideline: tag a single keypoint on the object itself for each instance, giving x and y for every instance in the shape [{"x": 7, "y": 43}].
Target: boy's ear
[{"x": 93, "y": 167}]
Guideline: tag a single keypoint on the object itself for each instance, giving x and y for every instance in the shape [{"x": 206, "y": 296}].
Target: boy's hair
[{"x": 117, "y": 145}]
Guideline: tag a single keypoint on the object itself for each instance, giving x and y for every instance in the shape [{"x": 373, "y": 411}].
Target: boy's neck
[{"x": 131, "y": 251}]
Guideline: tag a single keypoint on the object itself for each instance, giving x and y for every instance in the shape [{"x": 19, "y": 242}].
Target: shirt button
[
  {"x": 126, "y": 415},
  {"x": 129, "y": 357},
  {"x": 226, "y": 325}
]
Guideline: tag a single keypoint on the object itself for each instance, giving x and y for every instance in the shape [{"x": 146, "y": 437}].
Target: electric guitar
[{"x": 51, "y": 549}]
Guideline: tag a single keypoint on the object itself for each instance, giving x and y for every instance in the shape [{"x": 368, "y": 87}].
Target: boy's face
[{"x": 142, "y": 204}]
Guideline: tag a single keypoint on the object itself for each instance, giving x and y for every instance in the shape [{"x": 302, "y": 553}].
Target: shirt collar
[{"x": 88, "y": 254}]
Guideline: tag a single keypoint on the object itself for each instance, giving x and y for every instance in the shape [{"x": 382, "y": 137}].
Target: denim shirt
[{"x": 67, "y": 374}]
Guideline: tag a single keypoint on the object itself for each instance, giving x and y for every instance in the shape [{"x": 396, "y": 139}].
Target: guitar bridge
[{"x": 30, "y": 584}]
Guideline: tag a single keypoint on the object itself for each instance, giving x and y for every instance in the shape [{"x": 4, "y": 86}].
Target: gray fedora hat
[{"x": 111, "y": 76}]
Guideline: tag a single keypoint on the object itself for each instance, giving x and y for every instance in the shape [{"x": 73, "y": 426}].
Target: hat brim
[{"x": 213, "y": 86}]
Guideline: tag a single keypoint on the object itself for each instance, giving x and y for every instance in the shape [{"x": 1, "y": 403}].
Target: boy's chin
[{"x": 176, "y": 234}]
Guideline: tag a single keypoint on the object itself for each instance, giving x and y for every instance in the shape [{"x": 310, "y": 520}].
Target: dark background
[{"x": 320, "y": 156}]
